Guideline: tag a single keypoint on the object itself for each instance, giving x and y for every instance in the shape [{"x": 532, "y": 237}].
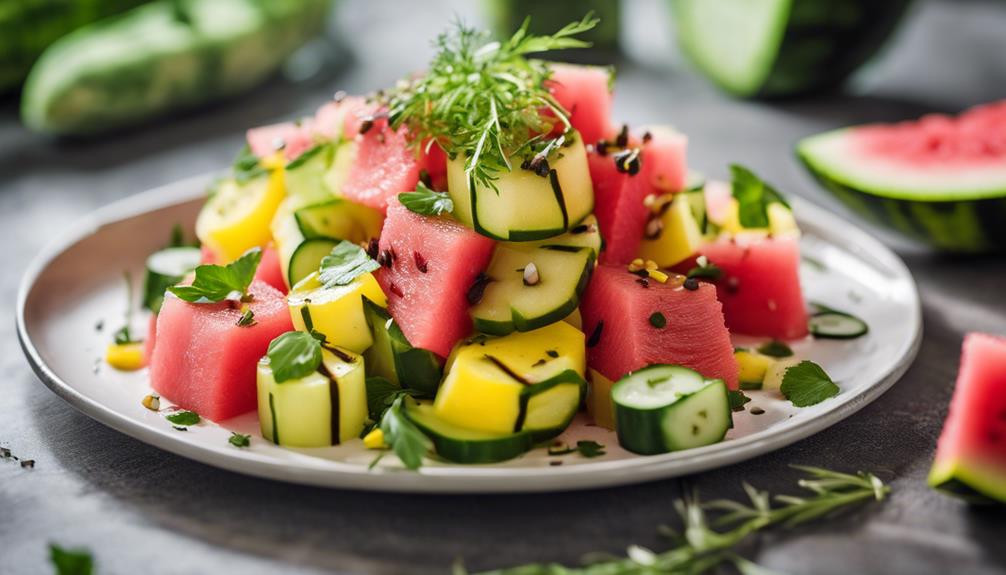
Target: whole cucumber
[{"x": 163, "y": 56}]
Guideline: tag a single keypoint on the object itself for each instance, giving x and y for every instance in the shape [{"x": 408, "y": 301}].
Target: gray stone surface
[{"x": 143, "y": 510}]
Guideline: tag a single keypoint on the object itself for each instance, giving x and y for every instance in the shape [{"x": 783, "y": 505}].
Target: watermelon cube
[
  {"x": 270, "y": 271},
  {"x": 205, "y": 362},
  {"x": 585, "y": 93},
  {"x": 293, "y": 138},
  {"x": 760, "y": 285},
  {"x": 340, "y": 118},
  {"x": 632, "y": 322},
  {"x": 429, "y": 265}
]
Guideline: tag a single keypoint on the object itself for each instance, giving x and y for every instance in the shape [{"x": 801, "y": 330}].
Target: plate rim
[{"x": 455, "y": 479}]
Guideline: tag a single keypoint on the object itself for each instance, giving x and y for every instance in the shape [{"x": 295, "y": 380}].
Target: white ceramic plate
[{"x": 76, "y": 283}]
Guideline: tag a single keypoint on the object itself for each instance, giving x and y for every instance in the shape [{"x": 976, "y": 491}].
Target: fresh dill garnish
[{"x": 485, "y": 100}]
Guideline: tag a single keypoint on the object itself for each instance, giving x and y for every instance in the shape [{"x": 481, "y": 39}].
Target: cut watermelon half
[
  {"x": 631, "y": 324},
  {"x": 760, "y": 285},
  {"x": 971, "y": 455},
  {"x": 205, "y": 362},
  {"x": 940, "y": 179},
  {"x": 429, "y": 266},
  {"x": 585, "y": 93}
]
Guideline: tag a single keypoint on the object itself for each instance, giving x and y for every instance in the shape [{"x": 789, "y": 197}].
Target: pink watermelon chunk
[
  {"x": 434, "y": 262},
  {"x": 269, "y": 270},
  {"x": 584, "y": 92},
  {"x": 205, "y": 362},
  {"x": 618, "y": 196},
  {"x": 385, "y": 166},
  {"x": 340, "y": 117},
  {"x": 760, "y": 285},
  {"x": 971, "y": 455},
  {"x": 148, "y": 344},
  {"x": 621, "y": 336},
  {"x": 294, "y": 138}
]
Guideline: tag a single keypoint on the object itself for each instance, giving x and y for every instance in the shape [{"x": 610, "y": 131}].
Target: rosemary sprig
[
  {"x": 712, "y": 530},
  {"x": 483, "y": 99}
]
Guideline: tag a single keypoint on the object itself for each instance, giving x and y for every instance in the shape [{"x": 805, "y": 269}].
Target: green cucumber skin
[
  {"x": 298, "y": 269},
  {"x": 411, "y": 367},
  {"x": 475, "y": 451},
  {"x": 965, "y": 226},
  {"x": 69, "y": 92},
  {"x": 520, "y": 235},
  {"x": 639, "y": 430},
  {"x": 568, "y": 376}
]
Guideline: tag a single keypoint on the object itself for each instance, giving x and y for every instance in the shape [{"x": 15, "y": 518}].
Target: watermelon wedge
[
  {"x": 619, "y": 194},
  {"x": 429, "y": 266},
  {"x": 585, "y": 93},
  {"x": 205, "y": 362},
  {"x": 760, "y": 285},
  {"x": 971, "y": 455},
  {"x": 384, "y": 167},
  {"x": 939, "y": 179},
  {"x": 631, "y": 324},
  {"x": 293, "y": 138}
]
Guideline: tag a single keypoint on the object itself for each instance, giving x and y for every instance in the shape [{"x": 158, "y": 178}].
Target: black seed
[
  {"x": 595, "y": 336},
  {"x": 552, "y": 353},
  {"x": 372, "y": 248},
  {"x": 526, "y": 164},
  {"x": 420, "y": 262},
  {"x": 28, "y": 463},
  {"x": 100, "y": 325},
  {"x": 733, "y": 284},
  {"x": 385, "y": 259},
  {"x": 555, "y": 462},
  {"x": 366, "y": 124},
  {"x": 691, "y": 284},
  {"x": 4, "y": 452},
  {"x": 757, "y": 411},
  {"x": 602, "y": 148},
  {"x": 538, "y": 363},
  {"x": 658, "y": 320},
  {"x": 622, "y": 139},
  {"x": 424, "y": 177},
  {"x": 579, "y": 229},
  {"x": 393, "y": 288},
  {"x": 628, "y": 162},
  {"x": 478, "y": 288},
  {"x": 695, "y": 430},
  {"x": 643, "y": 282},
  {"x": 647, "y": 136}
]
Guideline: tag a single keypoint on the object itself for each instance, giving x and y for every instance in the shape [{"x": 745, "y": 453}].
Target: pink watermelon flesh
[
  {"x": 760, "y": 286},
  {"x": 295, "y": 139},
  {"x": 340, "y": 118},
  {"x": 717, "y": 195},
  {"x": 148, "y": 344},
  {"x": 695, "y": 335},
  {"x": 431, "y": 307},
  {"x": 269, "y": 270},
  {"x": 971, "y": 454},
  {"x": 618, "y": 197},
  {"x": 584, "y": 93},
  {"x": 385, "y": 167},
  {"x": 205, "y": 362}
]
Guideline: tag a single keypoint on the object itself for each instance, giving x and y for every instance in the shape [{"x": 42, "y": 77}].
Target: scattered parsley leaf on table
[
  {"x": 426, "y": 202},
  {"x": 585, "y": 447},
  {"x": 806, "y": 384},
  {"x": 71, "y": 561},
  {"x": 347, "y": 262},
  {"x": 775, "y": 348},
  {"x": 294, "y": 355},
  {"x": 753, "y": 197},
  {"x": 405, "y": 439},
  {"x": 737, "y": 399},
  {"x": 183, "y": 418},
  {"x": 215, "y": 283},
  {"x": 239, "y": 439},
  {"x": 246, "y": 166}
]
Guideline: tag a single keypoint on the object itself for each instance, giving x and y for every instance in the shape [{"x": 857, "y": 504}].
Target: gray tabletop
[{"x": 139, "y": 509}]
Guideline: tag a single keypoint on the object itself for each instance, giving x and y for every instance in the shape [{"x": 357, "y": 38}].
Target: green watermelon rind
[
  {"x": 954, "y": 220},
  {"x": 971, "y": 482}
]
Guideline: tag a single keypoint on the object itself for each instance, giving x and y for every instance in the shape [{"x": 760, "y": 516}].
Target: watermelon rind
[
  {"x": 971, "y": 482},
  {"x": 955, "y": 210}
]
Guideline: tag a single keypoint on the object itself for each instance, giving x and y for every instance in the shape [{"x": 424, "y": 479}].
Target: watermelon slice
[
  {"x": 429, "y": 266},
  {"x": 270, "y": 271},
  {"x": 205, "y": 362},
  {"x": 384, "y": 167},
  {"x": 619, "y": 195},
  {"x": 585, "y": 93},
  {"x": 148, "y": 344},
  {"x": 293, "y": 138},
  {"x": 940, "y": 179},
  {"x": 971, "y": 455},
  {"x": 339, "y": 118},
  {"x": 630, "y": 325},
  {"x": 760, "y": 285}
]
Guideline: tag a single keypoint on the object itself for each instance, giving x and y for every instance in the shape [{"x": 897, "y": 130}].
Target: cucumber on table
[
  {"x": 664, "y": 408},
  {"x": 463, "y": 445},
  {"x": 162, "y": 56},
  {"x": 392, "y": 357},
  {"x": 166, "y": 268}
]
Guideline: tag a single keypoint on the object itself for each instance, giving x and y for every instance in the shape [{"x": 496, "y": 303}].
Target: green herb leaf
[
  {"x": 426, "y": 202},
  {"x": 214, "y": 283},
  {"x": 183, "y": 418},
  {"x": 737, "y": 400},
  {"x": 753, "y": 197},
  {"x": 705, "y": 270},
  {"x": 806, "y": 383},
  {"x": 71, "y": 561},
  {"x": 347, "y": 262},
  {"x": 775, "y": 348},
  {"x": 381, "y": 393},
  {"x": 247, "y": 319},
  {"x": 123, "y": 336},
  {"x": 293, "y": 355},
  {"x": 405, "y": 439},
  {"x": 239, "y": 439},
  {"x": 246, "y": 166},
  {"x": 585, "y": 447}
]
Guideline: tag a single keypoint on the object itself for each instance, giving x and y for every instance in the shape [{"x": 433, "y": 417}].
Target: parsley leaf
[
  {"x": 239, "y": 439},
  {"x": 246, "y": 166},
  {"x": 426, "y": 202},
  {"x": 216, "y": 283},
  {"x": 587, "y": 448},
  {"x": 381, "y": 393},
  {"x": 775, "y": 348},
  {"x": 247, "y": 319},
  {"x": 806, "y": 383},
  {"x": 71, "y": 561},
  {"x": 705, "y": 269},
  {"x": 405, "y": 439},
  {"x": 753, "y": 197},
  {"x": 737, "y": 400},
  {"x": 184, "y": 418},
  {"x": 294, "y": 355},
  {"x": 347, "y": 262}
]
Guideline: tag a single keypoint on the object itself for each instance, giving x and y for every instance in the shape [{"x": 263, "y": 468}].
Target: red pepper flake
[
  {"x": 393, "y": 288},
  {"x": 420, "y": 262}
]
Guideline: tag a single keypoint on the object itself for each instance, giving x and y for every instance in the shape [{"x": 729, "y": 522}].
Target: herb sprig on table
[
  {"x": 484, "y": 101},
  {"x": 712, "y": 531}
]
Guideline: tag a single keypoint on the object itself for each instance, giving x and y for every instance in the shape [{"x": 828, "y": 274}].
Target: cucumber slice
[
  {"x": 166, "y": 268},
  {"x": 525, "y": 206},
  {"x": 549, "y": 406},
  {"x": 305, "y": 175},
  {"x": 306, "y": 258},
  {"x": 466, "y": 445},
  {"x": 339, "y": 219},
  {"x": 512, "y": 302},
  {"x": 323, "y": 408},
  {"x": 392, "y": 356},
  {"x": 585, "y": 234},
  {"x": 836, "y": 325},
  {"x": 664, "y": 408}
]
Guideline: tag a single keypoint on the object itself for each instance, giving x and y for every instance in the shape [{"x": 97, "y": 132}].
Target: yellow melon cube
[{"x": 337, "y": 311}]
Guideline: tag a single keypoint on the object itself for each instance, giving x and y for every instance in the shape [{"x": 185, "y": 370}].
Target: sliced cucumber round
[
  {"x": 836, "y": 325},
  {"x": 664, "y": 408},
  {"x": 463, "y": 445},
  {"x": 166, "y": 268}
]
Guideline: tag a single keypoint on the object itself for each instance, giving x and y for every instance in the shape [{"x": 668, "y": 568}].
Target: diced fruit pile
[{"x": 448, "y": 277}]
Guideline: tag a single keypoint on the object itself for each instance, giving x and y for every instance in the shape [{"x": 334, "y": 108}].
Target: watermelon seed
[
  {"x": 339, "y": 96},
  {"x": 757, "y": 411},
  {"x": 372, "y": 248},
  {"x": 538, "y": 363},
  {"x": 478, "y": 288},
  {"x": 393, "y": 288},
  {"x": 622, "y": 140},
  {"x": 691, "y": 284},
  {"x": 733, "y": 284},
  {"x": 424, "y": 177},
  {"x": 628, "y": 162},
  {"x": 555, "y": 462},
  {"x": 420, "y": 262},
  {"x": 552, "y": 353},
  {"x": 658, "y": 320},
  {"x": 384, "y": 259},
  {"x": 643, "y": 282},
  {"x": 653, "y": 227},
  {"x": 366, "y": 124},
  {"x": 531, "y": 275},
  {"x": 695, "y": 429},
  {"x": 647, "y": 136},
  {"x": 595, "y": 336}
]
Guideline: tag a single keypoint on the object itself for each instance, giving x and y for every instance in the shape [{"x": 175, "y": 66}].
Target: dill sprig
[
  {"x": 712, "y": 530},
  {"x": 484, "y": 99}
]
